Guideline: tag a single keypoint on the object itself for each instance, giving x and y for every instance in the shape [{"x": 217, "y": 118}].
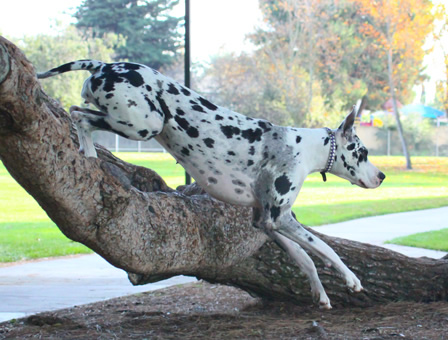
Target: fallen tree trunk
[{"x": 129, "y": 216}]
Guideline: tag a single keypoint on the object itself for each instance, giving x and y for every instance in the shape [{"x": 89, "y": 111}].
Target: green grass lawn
[
  {"x": 437, "y": 240},
  {"x": 26, "y": 232}
]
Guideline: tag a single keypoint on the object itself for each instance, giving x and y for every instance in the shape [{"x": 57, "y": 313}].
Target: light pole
[{"x": 187, "y": 79}]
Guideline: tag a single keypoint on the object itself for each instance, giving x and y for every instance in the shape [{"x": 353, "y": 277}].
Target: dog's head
[{"x": 351, "y": 161}]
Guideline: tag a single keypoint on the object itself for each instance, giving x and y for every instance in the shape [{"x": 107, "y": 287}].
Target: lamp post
[{"x": 187, "y": 79}]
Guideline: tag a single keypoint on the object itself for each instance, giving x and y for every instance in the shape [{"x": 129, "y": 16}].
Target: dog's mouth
[{"x": 362, "y": 184}]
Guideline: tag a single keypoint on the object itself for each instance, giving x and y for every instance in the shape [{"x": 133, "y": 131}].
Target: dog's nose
[{"x": 381, "y": 176}]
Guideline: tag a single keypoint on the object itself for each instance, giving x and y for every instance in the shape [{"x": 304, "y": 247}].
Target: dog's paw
[
  {"x": 321, "y": 298},
  {"x": 324, "y": 301},
  {"x": 353, "y": 283},
  {"x": 325, "y": 304}
]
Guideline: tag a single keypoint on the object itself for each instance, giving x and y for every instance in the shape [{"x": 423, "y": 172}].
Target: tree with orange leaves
[{"x": 399, "y": 29}]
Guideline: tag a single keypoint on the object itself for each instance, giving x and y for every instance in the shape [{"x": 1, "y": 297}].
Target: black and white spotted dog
[{"x": 236, "y": 159}]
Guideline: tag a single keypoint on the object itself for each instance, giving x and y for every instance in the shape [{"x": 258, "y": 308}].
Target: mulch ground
[{"x": 205, "y": 311}]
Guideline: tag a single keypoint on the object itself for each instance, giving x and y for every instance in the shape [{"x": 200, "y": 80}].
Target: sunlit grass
[
  {"x": 27, "y": 232},
  {"x": 436, "y": 240}
]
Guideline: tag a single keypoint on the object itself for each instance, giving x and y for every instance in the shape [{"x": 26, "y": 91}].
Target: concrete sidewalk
[
  {"x": 60, "y": 283},
  {"x": 378, "y": 229},
  {"x": 48, "y": 285}
]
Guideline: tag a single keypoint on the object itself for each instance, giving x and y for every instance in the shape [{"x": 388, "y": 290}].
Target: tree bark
[{"x": 129, "y": 216}]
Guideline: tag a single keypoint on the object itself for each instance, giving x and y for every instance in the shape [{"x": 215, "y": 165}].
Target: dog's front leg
[
  {"x": 306, "y": 265},
  {"x": 293, "y": 230}
]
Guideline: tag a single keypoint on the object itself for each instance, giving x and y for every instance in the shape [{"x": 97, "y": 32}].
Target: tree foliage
[
  {"x": 441, "y": 38},
  {"x": 315, "y": 59},
  {"x": 152, "y": 36}
]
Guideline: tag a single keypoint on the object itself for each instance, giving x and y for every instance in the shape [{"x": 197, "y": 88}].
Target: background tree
[
  {"x": 399, "y": 30},
  {"x": 441, "y": 37},
  {"x": 152, "y": 35},
  {"x": 48, "y": 51},
  {"x": 315, "y": 59},
  {"x": 246, "y": 84}
]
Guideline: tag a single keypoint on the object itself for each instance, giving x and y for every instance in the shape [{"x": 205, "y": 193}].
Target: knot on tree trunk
[
  {"x": 5, "y": 64},
  {"x": 6, "y": 122}
]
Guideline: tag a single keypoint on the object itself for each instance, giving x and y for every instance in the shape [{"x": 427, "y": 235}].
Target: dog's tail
[{"x": 87, "y": 65}]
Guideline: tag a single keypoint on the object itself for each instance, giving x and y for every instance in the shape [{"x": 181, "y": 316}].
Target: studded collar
[{"x": 331, "y": 155}]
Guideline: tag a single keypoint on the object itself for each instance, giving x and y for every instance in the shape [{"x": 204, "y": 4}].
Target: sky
[{"x": 216, "y": 26}]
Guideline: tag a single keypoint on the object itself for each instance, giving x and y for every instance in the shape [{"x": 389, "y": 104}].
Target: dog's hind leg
[
  {"x": 83, "y": 118},
  {"x": 289, "y": 227},
  {"x": 306, "y": 265}
]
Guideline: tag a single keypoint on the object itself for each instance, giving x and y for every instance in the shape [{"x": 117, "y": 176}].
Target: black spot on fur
[
  {"x": 183, "y": 123},
  {"x": 185, "y": 91},
  {"x": 180, "y": 112},
  {"x": 209, "y": 142},
  {"x": 231, "y": 153},
  {"x": 185, "y": 151},
  {"x": 198, "y": 108},
  {"x": 252, "y": 150},
  {"x": 212, "y": 180},
  {"x": 152, "y": 107},
  {"x": 282, "y": 185},
  {"x": 298, "y": 139},
  {"x": 63, "y": 68},
  {"x": 229, "y": 131},
  {"x": 252, "y": 135},
  {"x": 207, "y": 104},
  {"x": 350, "y": 147},
  {"x": 250, "y": 162},
  {"x": 131, "y": 66},
  {"x": 164, "y": 107},
  {"x": 265, "y": 125},
  {"x": 326, "y": 140},
  {"x": 109, "y": 95},
  {"x": 193, "y": 132},
  {"x": 131, "y": 103},
  {"x": 239, "y": 183},
  {"x": 275, "y": 213},
  {"x": 103, "y": 125},
  {"x": 95, "y": 83},
  {"x": 172, "y": 89},
  {"x": 148, "y": 88},
  {"x": 218, "y": 117},
  {"x": 143, "y": 133},
  {"x": 134, "y": 78}
]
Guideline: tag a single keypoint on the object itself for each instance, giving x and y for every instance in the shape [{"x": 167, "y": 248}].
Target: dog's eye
[{"x": 363, "y": 152}]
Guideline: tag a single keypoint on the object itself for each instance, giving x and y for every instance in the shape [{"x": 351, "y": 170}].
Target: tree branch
[{"x": 128, "y": 215}]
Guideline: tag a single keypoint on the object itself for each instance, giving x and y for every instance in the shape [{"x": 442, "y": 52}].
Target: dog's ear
[{"x": 347, "y": 125}]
